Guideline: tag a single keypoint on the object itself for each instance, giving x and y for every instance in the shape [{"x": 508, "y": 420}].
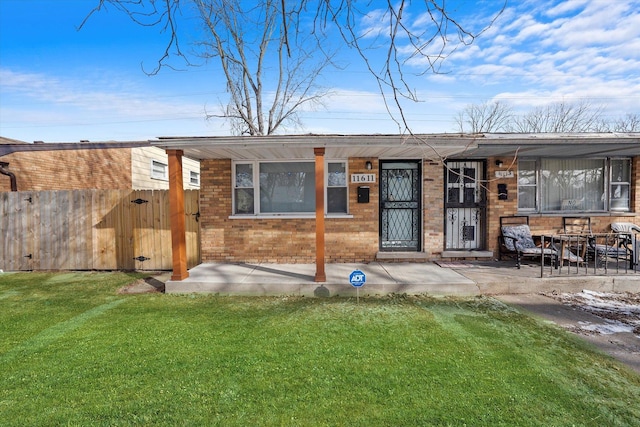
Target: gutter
[
  {"x": 11, "y": 175},
  {"x": 6, "y": 149}
]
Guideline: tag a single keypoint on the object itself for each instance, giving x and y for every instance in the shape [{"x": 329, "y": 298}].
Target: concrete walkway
[
  {"x": 460, "y": 279},
  {"x": 298, "y": 279}
]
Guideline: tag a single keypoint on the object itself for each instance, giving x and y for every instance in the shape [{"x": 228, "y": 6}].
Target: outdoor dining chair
[
  {"x": 629, "y": 239},
  {"x": 601, "y": 247}
]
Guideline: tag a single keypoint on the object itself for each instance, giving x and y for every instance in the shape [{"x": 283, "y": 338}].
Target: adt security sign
[{"x": 357, "y": 278}]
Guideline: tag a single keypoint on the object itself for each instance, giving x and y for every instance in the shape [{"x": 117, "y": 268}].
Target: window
[
  {"x": 286, "y": 188},
  {"x": 243, "y": 191},
  {"x": 194, "y": 178},
  {"x": 589, "y": 185},
  {"x": 527, "y": 184},
  {"x": 337, "y": 188},
  {"x": 620, "y": 185},
  {"x": 159, "y": 170}
]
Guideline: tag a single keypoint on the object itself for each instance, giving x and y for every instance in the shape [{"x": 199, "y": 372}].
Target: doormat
[{"x": 445, "y": 264}]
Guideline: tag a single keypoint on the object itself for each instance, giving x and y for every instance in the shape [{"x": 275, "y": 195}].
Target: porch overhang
[
  {"x": 423, "y": 146},
  {"x": 557, "y": 145},
  {"x": 299, "y": 147}
]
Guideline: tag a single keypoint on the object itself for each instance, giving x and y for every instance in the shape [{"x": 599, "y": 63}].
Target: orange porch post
[
  {"x": 320, "y": 274},
  {"x": 176, "y": 213}
]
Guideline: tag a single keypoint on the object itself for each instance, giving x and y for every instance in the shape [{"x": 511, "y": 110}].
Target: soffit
[
  {"x": 559, "y": 145},
  {"x": 430, "y": 146},
  {"x": 302, "y": 146},
  {"x": 557, "y": 150}
]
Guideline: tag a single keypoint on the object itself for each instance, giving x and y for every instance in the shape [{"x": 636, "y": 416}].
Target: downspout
[{"x": 11, "y": 175}]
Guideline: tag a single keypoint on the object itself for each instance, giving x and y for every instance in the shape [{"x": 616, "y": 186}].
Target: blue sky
[{"x": 60, "y": 84}]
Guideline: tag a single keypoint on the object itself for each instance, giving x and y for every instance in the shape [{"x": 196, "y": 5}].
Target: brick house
[
  {"x": 390, "y": 197},
  {"x": 86, "y": 165}
]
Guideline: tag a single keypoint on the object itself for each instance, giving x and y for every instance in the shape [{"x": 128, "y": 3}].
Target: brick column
[
  {"x": 176, "y": 213},
  {"x": 320, "y": 273}
]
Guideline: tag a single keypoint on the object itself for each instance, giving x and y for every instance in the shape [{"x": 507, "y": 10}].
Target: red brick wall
[
  {"x": 108, "y": 169},
  {"x": 355, "y": 239},
  {"x": 433, "y": 208},
  {"x": 495, "y": 207},
  {"x": 283, "y": 240},
  {"x": 547, "y": 224}
]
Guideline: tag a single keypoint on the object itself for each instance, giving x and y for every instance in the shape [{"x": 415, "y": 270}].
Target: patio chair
[
  {"x": 629, "y": 238},
  {"x": 577, "y": 230},
  {"x": 601, "y": 247},
  {"x": 516, "y": 241},
  {"x": 625, "y": 227}
]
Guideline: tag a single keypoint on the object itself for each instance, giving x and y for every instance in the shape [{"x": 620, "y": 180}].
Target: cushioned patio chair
[{"x": 516, "y": 241}]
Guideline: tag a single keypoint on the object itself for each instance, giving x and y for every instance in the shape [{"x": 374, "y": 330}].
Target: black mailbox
[
  {"x": 502, "y": 192},
  {"x": 363, "y": 194}
]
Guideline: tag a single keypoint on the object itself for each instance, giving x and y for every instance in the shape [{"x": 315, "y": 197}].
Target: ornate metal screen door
[
  {"x": 465, "y": 205},
  {"x": 400, "y": 196}
]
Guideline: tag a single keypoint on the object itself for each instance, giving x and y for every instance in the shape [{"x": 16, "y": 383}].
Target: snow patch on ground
[{"x": 620, "y": 311}]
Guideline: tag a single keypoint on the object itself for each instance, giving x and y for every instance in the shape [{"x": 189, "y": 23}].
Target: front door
[
  {"x": 400, "y": 196},
  {"x": 465, "y": 205}
]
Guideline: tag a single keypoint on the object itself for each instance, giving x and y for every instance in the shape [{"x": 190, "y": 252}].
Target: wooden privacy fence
[{"x": 92, "y": 230}]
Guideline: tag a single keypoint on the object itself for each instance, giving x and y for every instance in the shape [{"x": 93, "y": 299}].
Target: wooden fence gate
[{"x": 92, "y": 230}]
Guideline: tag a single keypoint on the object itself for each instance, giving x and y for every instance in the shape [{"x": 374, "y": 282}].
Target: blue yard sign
[{"x": 357, "y": 278}]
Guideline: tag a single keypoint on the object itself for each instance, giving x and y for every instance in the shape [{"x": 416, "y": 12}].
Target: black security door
[{"x": 400, "y": 195}]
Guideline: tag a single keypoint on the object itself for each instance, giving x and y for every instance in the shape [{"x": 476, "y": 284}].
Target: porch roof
[
  {"x": 558, "y": 145},
  {"x": 430, "y": 146}
]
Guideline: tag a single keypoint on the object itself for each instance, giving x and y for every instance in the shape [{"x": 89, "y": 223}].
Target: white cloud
[
  {"x": 91, "y": 95},
  {"x": 353, "y": 101},
  {"x": 566, "y": 7},
  {"x": 98, "y": 107},
  {"x": 569, "y": 49}
]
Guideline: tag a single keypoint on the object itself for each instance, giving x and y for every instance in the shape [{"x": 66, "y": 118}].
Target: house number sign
[
  {"x": 363, "y": 177},
  {"x": 504, "y": 174}
]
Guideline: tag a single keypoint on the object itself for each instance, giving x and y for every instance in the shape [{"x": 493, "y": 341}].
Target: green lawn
[{"x": 75, "y": 352}]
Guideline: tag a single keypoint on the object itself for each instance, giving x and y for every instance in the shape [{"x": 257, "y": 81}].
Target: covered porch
[{"x": 432, "y": 150}]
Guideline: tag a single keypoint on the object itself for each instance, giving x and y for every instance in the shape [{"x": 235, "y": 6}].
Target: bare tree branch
[
  {"x": 552, "y": 118},
  {"x": 629, "y": 123},
  {"x": 486, "y": 117},
  {"x": 559, "y": 117},
  {"x": 261, "y": 42}
]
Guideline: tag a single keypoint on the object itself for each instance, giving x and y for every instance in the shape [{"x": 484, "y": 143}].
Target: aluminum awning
[{"x": 425, "y": 146}]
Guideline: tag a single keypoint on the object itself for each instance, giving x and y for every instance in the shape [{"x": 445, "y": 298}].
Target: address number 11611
[{"x": 363, "y": 177}]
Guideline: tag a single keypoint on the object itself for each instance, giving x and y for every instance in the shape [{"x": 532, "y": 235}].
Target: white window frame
[
  {"x": 614, "y": 182},
  {"x": 256, "y": 190},
  {"x": 194, "y": 178},
  {"x": 164, "y": 176},
  {"x": 327, "y": 186},
  {"x": 608, "y": 188}
]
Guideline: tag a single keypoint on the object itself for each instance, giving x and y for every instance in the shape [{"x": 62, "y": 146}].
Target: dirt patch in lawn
[{"x": 143, "y": 286}]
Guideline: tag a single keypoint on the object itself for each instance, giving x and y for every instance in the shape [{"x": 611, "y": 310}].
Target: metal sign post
[{"x": 357, "y": 279}]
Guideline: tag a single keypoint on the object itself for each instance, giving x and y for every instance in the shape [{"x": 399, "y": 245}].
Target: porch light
[
  {"x": 368, "y": 165},
  {"x": 499, "y": 163}
]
